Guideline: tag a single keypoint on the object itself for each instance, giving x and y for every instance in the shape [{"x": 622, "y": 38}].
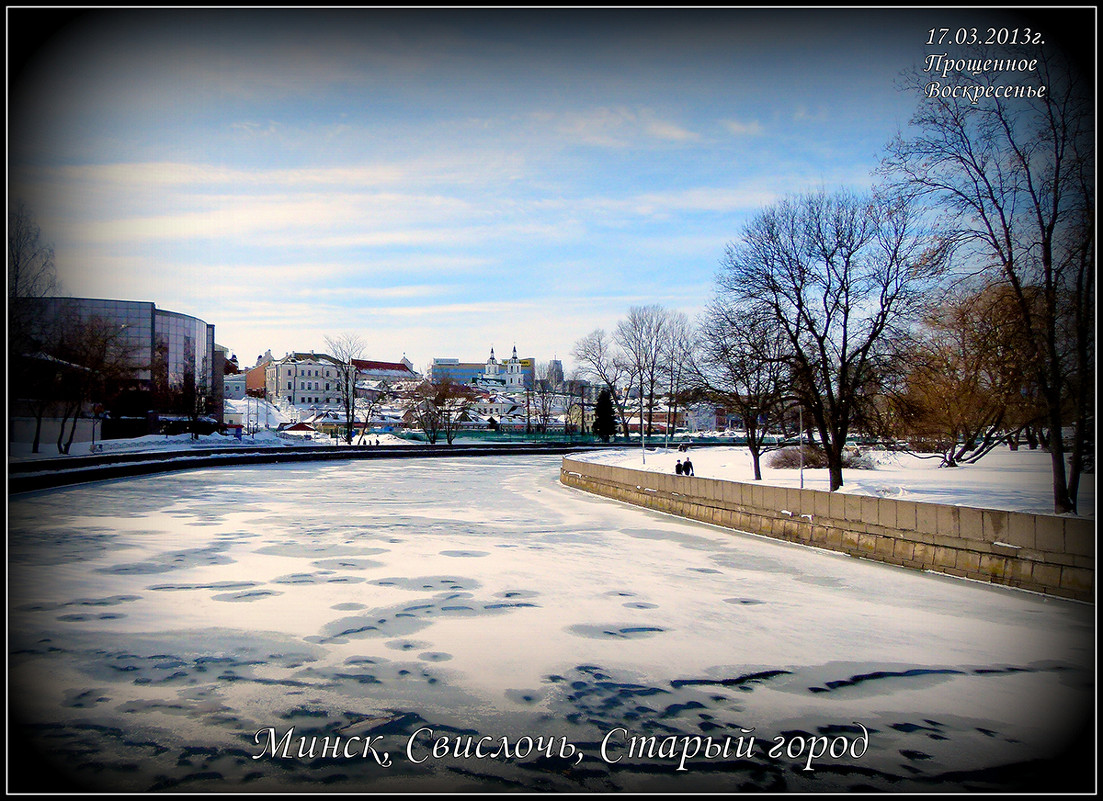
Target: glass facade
[
  {"x": 173, "y": 353},
  {"x": 183, "y": 353},
  {"x": 134, "y": 319}
]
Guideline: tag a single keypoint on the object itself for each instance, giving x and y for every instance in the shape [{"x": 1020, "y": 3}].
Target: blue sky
[{"x": 439, "y": 182}]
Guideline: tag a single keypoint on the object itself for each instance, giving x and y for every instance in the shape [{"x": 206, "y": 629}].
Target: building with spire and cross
[{"x": 512, "y": 375}]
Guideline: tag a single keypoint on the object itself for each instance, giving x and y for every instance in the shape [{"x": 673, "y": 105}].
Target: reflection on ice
[{"x": 158, "y": 625}]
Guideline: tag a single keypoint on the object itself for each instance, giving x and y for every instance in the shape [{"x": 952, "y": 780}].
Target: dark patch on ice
[
  {"x": 640, "y": 605},
  {"x": 84, "y": 699},
  {"x": 390, "y": 625},
  {"x": 497, "y": 606},
  {"x": 744, "y": 601},
  {"x": 884, "y": 674},
  {"x": 178, "y": 560},
  {"x": 406, "y": 645},
  {"x": 428, "y": 583},
  {"x": 112, "y": 600},
  {"x": 323, "y": 577},
  {"x": 309, "y": 551},
  {"x": 524, "y": 696},
  {"x": 215, "y": 585},
  {"x": 613, "y": 632},
  {"x": 908, "y": 728},
  {"x": 517, "y": 594},
  {"x": 740, "y": 681},
  {"x": 349, "y": 606},
  {"x": 134, "y": 568},
  {"x": 914, "y": 756},
  {"x": 434, "y": 656},
  {"x": 253, "y": 595},
  {"x": 346, "y": 563},
  {"x": 79, "y": 618},
  {"x": 464, "y": 554}
]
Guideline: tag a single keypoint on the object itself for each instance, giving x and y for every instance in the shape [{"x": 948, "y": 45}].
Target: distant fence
[
  {"x": 30, "y": 475},
  {"x": 1044, "y": 553}
]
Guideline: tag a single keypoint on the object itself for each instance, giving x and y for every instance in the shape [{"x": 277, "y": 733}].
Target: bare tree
[
  {"x": 544, "y": 397},
  {"x": 967, "y": 377},
  {"x": 424, "y": 412},
  {"x": 346, "y": 349},
  {"x": 455, "y": 402},
  {"x": 598, "y": 358},
  {"x": 677, "y": 354},
  {"x": 742, "y": 363},
  {"x": 371, "y": 402},
  {"x": 1015, "y": 181},
  {"x": 441, "y": 407},
  {"x": 841, "y": 275},
  {"x": 93, "y": 357},
  {"x": 31, "y": 270},
  {"x": 641, "y": 336},
  {"x": 31, "y": 275}
]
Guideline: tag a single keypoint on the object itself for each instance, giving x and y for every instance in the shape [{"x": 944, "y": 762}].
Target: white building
[
  {"x": 506, "y": 377},
  {"x": 304, "y": 379},
  {"x": 233, "y": 386}
]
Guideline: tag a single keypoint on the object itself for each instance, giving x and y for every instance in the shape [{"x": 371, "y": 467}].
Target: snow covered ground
[
  {"x": 157, "y": 624},
  {"x": 1017, "y": 481}
]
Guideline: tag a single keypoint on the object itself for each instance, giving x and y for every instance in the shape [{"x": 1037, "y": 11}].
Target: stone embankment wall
[{"x": 1044, "y": 553}]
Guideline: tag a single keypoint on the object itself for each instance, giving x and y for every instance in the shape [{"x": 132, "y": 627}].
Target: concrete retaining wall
[{"x": 1044, "y": 553}]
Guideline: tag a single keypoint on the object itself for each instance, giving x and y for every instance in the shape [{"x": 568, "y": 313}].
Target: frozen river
[{"x": 475, "y": 626}]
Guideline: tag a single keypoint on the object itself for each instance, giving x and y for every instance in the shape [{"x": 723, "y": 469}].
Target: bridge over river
[{"x": 463, "y": 625}]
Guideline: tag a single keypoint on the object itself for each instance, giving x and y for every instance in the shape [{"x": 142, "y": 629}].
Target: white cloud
[
  {"x": 611, "y": 127},
  {"x": 752, "y": 128}
]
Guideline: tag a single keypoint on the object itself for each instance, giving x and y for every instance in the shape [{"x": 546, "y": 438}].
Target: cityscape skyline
[{"x": 439, "y": 182}]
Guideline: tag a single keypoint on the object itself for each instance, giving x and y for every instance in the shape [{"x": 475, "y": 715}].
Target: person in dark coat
[
  {"x": 678, "y": 467},
  {"x": 687, "y": 467}
]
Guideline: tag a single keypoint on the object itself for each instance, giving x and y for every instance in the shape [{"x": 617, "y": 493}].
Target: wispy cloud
[
  {"x": 752, "y": 128},
  {"x": 615, "y": 127}
]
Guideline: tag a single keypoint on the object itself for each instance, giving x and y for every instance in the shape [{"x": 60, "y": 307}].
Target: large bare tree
[
  {"x": 641, "y": 337},
  {"x": 742, "y": 363},
  {"x": 92, "y": 358},
  {"x": 1014, "y": 178},
  {"x": 967, "y": 385},
  {"x": 840, "y": 274},
  {"x": 346, "y": 348},
  {"x": 677, "y": 355},
  {"x": 598, "y": 358}
]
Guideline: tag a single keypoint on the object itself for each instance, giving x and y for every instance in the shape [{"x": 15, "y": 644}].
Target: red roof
[{"x": 362, "y": 364}]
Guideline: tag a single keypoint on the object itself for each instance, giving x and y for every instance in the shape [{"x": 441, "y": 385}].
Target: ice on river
[{"x": 158, "y": 624}]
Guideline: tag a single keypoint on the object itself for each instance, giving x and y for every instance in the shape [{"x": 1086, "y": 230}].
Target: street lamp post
[{"x": 800, "y": 442}]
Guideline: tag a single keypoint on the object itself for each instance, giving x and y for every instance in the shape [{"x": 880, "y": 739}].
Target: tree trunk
[{"x": 1062, "y": 503}]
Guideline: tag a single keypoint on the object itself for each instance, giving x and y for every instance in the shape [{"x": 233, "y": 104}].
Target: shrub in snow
[
  {"x": 856, "y": 460},
  {"x": 814, "y": 458},
  {"x": 791, "y": 457}
]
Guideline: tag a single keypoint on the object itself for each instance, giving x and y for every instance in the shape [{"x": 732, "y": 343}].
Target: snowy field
[
  {"x": 1017, "y": 481},
  {"x": 157, "y": 624}
]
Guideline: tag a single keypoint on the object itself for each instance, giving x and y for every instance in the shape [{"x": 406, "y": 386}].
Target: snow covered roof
[{"x": 398, "y": 368}]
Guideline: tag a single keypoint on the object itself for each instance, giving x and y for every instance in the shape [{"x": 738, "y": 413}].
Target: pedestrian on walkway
[{"x": 687, "y": 467}]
